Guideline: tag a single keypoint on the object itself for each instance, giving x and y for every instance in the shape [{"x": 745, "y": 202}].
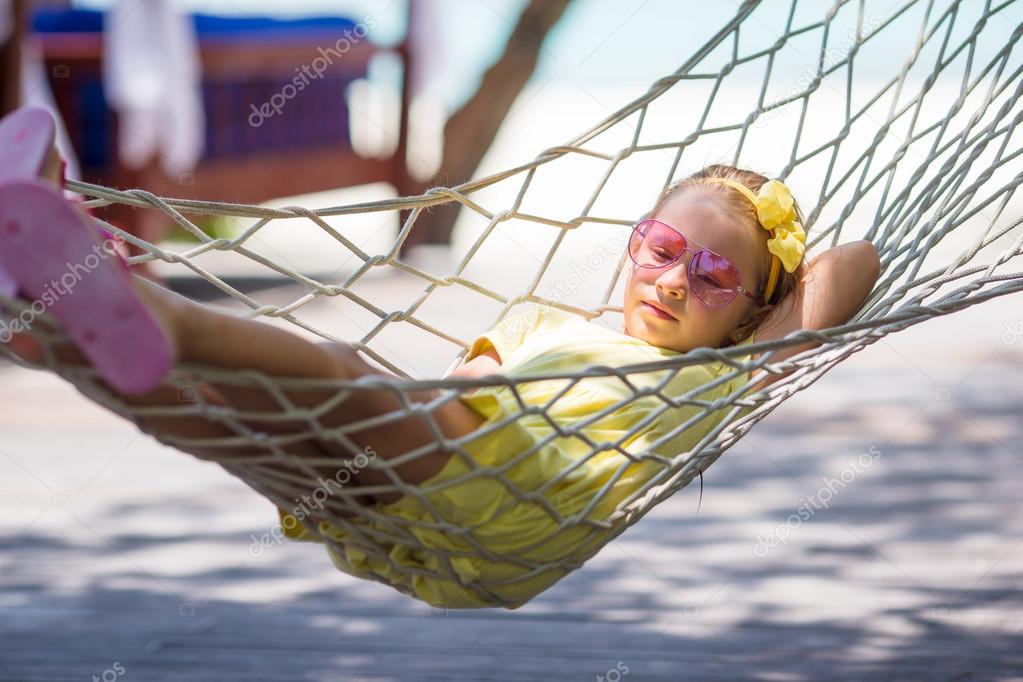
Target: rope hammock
[{"x": 920, "y": 161}]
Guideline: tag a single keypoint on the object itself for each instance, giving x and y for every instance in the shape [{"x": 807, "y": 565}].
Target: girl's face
[{"x": 686, "y": 322}]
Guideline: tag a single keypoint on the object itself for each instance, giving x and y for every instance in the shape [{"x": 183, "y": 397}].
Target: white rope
[{"x": 918, "y": 184}]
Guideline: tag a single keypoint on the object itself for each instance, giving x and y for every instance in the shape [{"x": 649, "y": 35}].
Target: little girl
[{"x": 717, "y": 262}]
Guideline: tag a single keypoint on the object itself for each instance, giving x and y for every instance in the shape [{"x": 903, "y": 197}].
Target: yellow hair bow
[{"x": 776, "y": 212}]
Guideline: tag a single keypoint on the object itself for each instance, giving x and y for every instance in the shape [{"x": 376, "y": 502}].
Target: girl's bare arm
[
  {"x": 483, "y": 364},
  {"x": 834, "y": 286}
]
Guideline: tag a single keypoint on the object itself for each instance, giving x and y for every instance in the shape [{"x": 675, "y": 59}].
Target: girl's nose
[{"x": 674, "y": 281}]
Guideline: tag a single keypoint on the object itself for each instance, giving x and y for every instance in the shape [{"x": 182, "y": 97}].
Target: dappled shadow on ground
[{"x": 908, "y": 567}]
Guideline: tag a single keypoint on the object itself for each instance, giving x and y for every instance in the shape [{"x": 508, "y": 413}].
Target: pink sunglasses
[{"x": 713, "y": 278}]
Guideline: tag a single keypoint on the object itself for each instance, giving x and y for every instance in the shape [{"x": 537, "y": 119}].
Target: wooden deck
[{"x": 122, "y": 559}]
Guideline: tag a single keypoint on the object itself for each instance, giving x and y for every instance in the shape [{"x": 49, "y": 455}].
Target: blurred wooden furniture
[{"x": 305, "y": 147}]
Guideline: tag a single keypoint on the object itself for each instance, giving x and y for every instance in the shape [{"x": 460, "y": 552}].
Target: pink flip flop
[
  {"x": 56, "y": 258},
  {"x": 26, "y": 136}
]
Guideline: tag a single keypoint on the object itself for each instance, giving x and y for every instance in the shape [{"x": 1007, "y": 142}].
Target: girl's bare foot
[
  {"x": 53, "y": 169},
  {"x": 63, "y": 265},
  {"x": 166, "y": 307}
]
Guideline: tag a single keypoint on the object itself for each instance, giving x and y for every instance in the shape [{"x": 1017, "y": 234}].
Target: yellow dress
[{"x": 541, "y": 340}]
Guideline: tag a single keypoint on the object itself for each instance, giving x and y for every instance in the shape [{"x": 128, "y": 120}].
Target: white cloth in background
[
  {"x": 152, "y": 79},
  {"x": 429, "y": 49},
  {"x": 430, "y": 80},
  {"x": 35, "y": 91}
]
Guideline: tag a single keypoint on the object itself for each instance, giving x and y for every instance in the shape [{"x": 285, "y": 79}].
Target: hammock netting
[{"x": 919, "y": 160}]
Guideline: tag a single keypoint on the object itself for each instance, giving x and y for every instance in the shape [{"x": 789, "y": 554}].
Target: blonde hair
[{"x": 787, "y": 281}]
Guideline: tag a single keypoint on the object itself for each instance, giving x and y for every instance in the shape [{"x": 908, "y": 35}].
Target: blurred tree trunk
[
  {"x": 10, "y": 58},
  {"x": 470, "y": 131}
]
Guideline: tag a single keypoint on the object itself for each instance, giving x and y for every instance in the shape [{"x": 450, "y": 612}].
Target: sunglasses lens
[
  {"x": 655, "y": 245},
  {"x": 713, "y": 278}
]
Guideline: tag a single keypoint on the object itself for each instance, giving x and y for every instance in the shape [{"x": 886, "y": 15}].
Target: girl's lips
[{"x": 657, "y": 312}]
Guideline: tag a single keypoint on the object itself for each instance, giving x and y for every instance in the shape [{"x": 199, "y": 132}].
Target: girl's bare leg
[{"x": 204, "y": 336}]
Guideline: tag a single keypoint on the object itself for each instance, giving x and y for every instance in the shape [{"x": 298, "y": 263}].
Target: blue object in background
[
  {"x": 315, "y": 118},
  {"x": 56, "y": 20}
]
